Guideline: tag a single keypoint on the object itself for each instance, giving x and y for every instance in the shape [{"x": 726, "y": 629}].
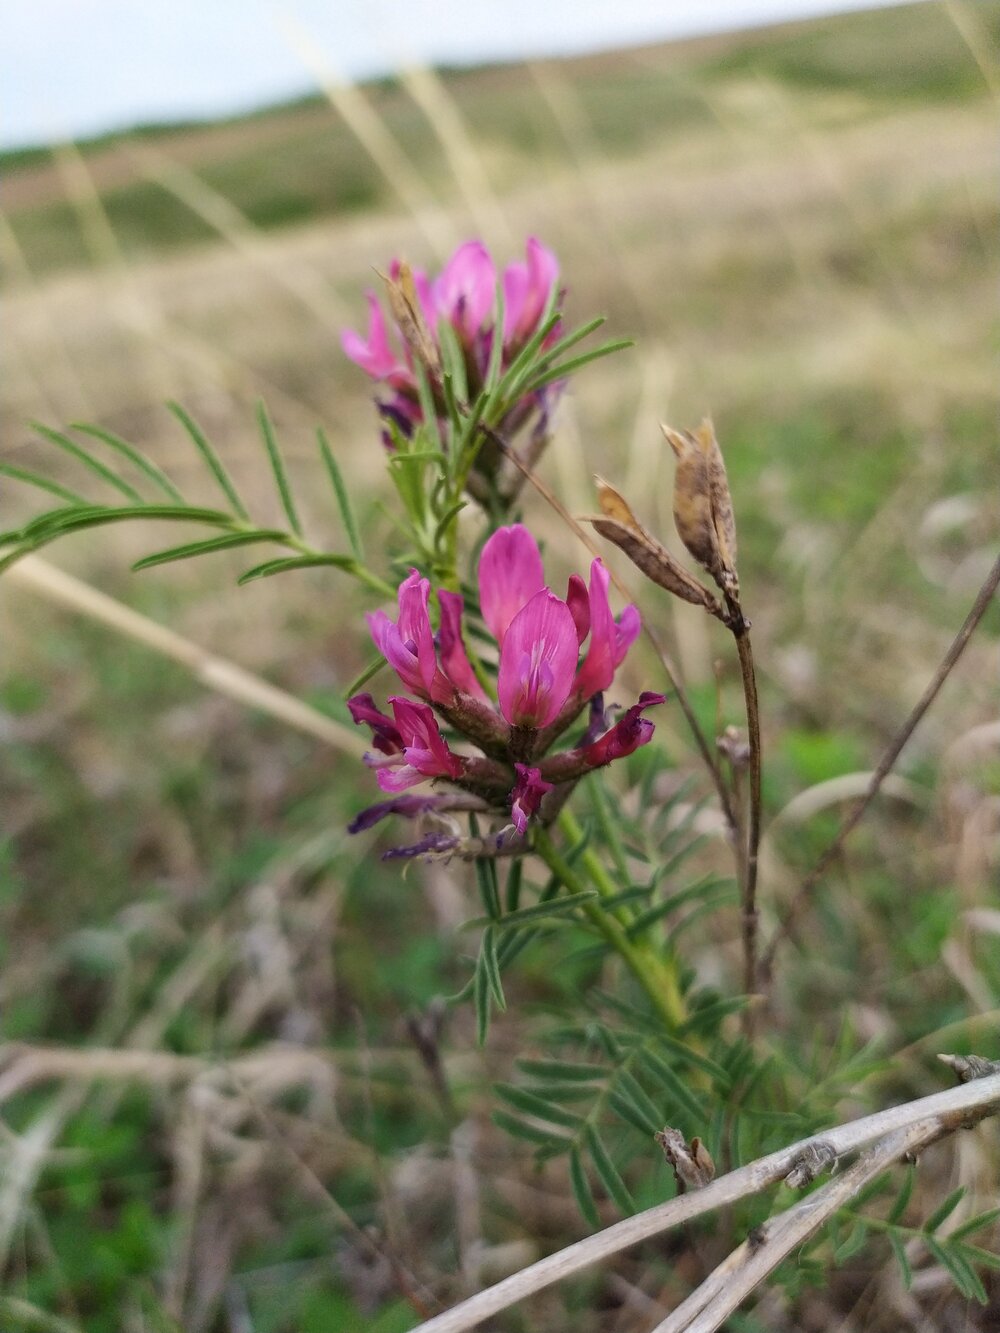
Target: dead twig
[
  {"x": 804, "y": 892},
  {"x": 725, "y": 1289}
]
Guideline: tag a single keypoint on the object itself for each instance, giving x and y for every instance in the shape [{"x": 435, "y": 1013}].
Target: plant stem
[
  {"x": 803, "y": 894},
  {"x": 655, "y": 975},
  {"x": 748, "y": 863}
]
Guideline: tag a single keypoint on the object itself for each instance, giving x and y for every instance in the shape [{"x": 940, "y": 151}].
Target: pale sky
[{"x": 74, "y": 68}]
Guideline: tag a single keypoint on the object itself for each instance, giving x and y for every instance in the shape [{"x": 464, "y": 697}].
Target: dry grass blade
[
  {"x": 214, "y": 672},
  {"x": 375, "y": 138},
  {"x": 804, "y": 892}
]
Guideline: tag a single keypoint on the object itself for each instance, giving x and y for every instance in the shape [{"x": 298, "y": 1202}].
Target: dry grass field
[{"x": 212, "y": 1116}]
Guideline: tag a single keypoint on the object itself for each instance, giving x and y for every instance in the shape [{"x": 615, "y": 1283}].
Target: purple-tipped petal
[
  {"x": 537, "y": 662},
  {"x": 510, "y": 574},
  {"x": 527, "y": 795},
  {"x": 432, "y": 844},
  {"x": 454, "y": 659},
  {"x": 630, "y": 732},
  {"x": 385, "y": 733},
  {"x": 423, "y": 744},
  {"x": 407, "y": 806},
  {"x": 465, "y": 292}
]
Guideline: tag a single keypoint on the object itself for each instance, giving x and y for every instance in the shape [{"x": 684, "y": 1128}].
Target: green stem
[{"x": 655, "y": 975}]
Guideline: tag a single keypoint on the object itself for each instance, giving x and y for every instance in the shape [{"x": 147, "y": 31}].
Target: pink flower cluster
[
  {"x": 464, "y": 297},
  {"x": 554, "y": 656}
]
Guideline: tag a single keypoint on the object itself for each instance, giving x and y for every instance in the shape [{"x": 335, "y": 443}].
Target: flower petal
[
  {"x": 609, "y": 641},
  {"x": 527, "y": 795},
  {"x": 465, "y": 292},
  {"x": 537, "y": 662},
  {"x": 510, "y": 574},
  {"x": 374, "y": 356},
  {"x": 454, "y": 659}
]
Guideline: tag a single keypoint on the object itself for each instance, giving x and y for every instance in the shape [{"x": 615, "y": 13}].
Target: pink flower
[
  {"x": 464, "y": 296},
  {"x": 454, "y": 659},
  {"x": 465, "y": 292},
  {"x": 385, "y": 733},
  {"x": 425, "y": 752},
  {"x": 630, "y": 732},
  {"x": 408, "y": 644},
  {"x": 537, "y": 662},
  {"x": 527, "y": 795},
  {"x": 527, "y": 289},
  {"x": 375, "y": 356},
  {"x": 510, "y": 573},
  {"x": 610, "y": 640}
]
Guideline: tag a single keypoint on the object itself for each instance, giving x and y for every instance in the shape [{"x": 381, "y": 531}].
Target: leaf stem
[{"x": 657, "y": 976}]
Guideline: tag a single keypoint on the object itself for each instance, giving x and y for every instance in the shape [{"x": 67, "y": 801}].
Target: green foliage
[{"x": 238, "y": 528}]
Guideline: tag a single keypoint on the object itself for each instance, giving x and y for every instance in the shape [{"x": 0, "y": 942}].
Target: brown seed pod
[
  {"x": 691, "y": 1162},
  {"x": 619, "y": 525},
  {"x": 703, "y": 505},
  {"x": 404, "y": 303}
]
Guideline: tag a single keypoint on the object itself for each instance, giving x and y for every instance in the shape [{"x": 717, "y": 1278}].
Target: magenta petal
[
  {"x": 375, "y": 356},
  {"x": 537, "y": 662},
  {"x": 578, "y": 601},
  {"x": 424, "y": 748},
  {"x": 630, "y": 732},
  {"x": 385, "y": 733},
  {"x": 515, "y": 294},
  {"x": 598, "y": 668},
  {"x": 510, "y": 574},
  {"x": 465, "y": 292},
  {"x": 543, "y": 274},
  {"x": 454, "y": 659},
  {"x": 527, "y": 795},
  {"x": 408, "y": 645},
  {"x": 609, "y": 642},
  {"x": 399, "y": 777},
  {"x": 415, "y": 624},
  {"x": 398, "y": 654}
]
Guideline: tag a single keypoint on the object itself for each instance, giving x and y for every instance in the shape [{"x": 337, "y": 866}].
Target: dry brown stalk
[
  {"x": 948, "y": 1110},
  {"x": 212, "y": 671},
  {"x": 885, "y": 765},
  {"x": 725, "y": 1289}
]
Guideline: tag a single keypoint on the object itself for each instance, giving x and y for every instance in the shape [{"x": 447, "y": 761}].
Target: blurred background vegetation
[{"x": 798, "y": 227}]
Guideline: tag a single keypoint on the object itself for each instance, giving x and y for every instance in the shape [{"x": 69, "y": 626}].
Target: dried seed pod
[
  {"x": 619, "y": 525},
  {"x": 691, "y": 1162},
  {"x": 703, "y": 505},
  {"x": 404, "y": 303}
]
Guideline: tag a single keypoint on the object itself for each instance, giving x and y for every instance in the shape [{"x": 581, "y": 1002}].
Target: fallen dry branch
[
  {"x": 947, "y": 1110},
  {"x": 725, "y": 1289},
  {"x": 23, "y": 1066}
]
